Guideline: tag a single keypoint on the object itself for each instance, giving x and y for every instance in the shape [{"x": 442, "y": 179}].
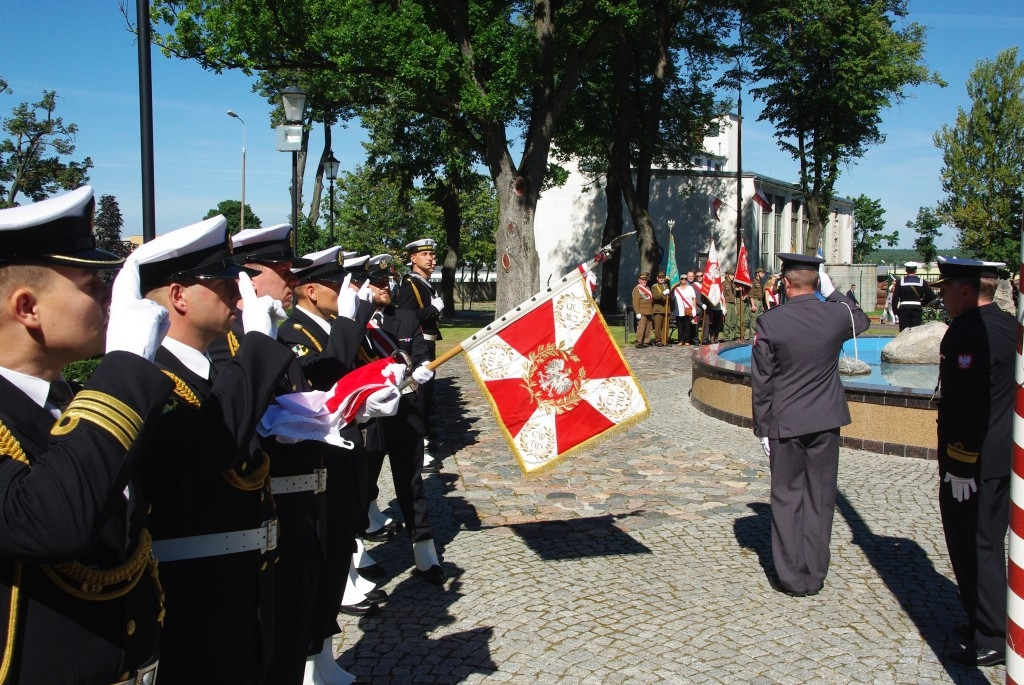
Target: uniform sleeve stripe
[{"x": 104, "y": 411}]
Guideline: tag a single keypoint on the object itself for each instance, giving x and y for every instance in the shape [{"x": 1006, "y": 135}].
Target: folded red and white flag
[
  {"x": 369, "y": 391},
  {"x": 553, "y": 375}
]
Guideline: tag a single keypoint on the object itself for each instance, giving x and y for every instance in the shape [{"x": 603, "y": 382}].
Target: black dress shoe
[
  {"x": 434, "y": 575},
  {"x": 373, "y": 572},
  {"x": 377, "y": 596},
  {"x": 777, "y": 585},
  {"x": 363, "y": 608},
  {"x": 972, "y": 655}
]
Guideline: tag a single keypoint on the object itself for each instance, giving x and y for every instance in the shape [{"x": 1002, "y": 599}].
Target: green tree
[
  {"x": 489, "y": 69},
  {"x": 869, "y": 222},
  {"x": 232, "y": 211},
  {"x": 927, "y": 227},
  {"x": 107, "y": 226},
  {"x": 983, "y": 154},
  {"x": 370, "y": 221},
  {"x": 31, "y": 157},
  {"x": 825, "y": 70}
]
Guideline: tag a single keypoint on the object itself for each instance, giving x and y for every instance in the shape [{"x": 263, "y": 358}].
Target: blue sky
[{"x": 83, "y": 50}]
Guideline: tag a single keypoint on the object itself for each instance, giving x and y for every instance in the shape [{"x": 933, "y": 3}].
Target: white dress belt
[
  {"x": 263, "y": 539},
  {"x": 316, "y": 481},
  {"x": 429, "y": 336}
]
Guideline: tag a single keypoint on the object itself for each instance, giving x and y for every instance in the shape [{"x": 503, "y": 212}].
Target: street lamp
[
  {"x": 241, "y": 218},
  {"x": 294, "y": 102},
  {"x": 331, "y": 166}
]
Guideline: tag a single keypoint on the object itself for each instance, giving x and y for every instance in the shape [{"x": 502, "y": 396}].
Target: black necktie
[{"x": 60, "y": 394}]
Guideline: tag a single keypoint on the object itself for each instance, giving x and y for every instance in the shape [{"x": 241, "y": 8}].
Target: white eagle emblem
[
  {"x": 964, "y": 360},
  {"x": 554, "y": 379}
]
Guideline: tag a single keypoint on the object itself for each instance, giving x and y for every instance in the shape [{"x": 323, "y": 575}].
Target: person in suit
[
  {"x": 399, "y": 437},
  {"x": 205, "y": 475},
  {"x": 977, "y": 358},
  {"x": 417, "y": 294},
  {"x": 74, "y": 511},
  {"x": 644, "y": 307},
  {"x": 910, "y": 295},
  {"x": 798, "y": 408},
  {"x": 851, "y": 294}
]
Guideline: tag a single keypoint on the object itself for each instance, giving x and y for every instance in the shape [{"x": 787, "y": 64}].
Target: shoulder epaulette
[
  {"x": 182, "y": 391},
  {"x": 233, "y": 343}
]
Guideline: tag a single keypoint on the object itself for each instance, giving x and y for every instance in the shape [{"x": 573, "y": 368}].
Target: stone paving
[{"x": 643, "y": 561}]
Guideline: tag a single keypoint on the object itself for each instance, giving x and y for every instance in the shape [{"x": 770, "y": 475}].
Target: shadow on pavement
[{"x": 578, "y": 538}]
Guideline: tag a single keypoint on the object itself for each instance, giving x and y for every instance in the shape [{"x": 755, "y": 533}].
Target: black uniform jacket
[
  {"x": 205, "y": 474},
  {"x": 414, "y": 294},
  {"x": 65, "y": 515},
  {"x": 794, "y": 364},
  {"x": 977, "y": 358}
]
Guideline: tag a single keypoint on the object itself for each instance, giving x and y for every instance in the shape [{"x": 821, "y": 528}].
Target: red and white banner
[
  {"x": 742, "y": 267},
  {"x": 714, "y": 204},
  {"x": 1015, "y": 563},
  {"x": 762, "y": 200},
  {"x": 554, "y": 377},
  {"x": 711, "y": 286}
]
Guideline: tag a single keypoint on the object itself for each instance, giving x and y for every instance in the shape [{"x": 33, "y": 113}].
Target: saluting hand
[{"x": 259, "y": 314}]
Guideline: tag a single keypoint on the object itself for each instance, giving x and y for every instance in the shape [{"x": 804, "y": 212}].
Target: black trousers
[
  {"x": 909, "y": 316},
  {"x": 400, "y": 437},
  {"x": 804, "y": 471},
  {"x": 684, "y": 329},
  {"x": 975, "y": 532}
]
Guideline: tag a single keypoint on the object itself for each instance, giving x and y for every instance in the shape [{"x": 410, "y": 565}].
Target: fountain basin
[{"x": 887, "y": 419}]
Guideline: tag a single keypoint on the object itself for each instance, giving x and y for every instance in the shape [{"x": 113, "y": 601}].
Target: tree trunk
[
  {"x": 612, "y": 229},
  {"x": 452, "y": 211}
]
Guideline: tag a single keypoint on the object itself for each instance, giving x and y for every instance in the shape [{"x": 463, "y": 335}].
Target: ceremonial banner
[
  {"x": 555, "y": 379},
  {"x": 742, "y": 267},
  {"x": 762, "y": 200},
  {"x": 672, "y": 269},
  {"x": 711, "y": 286}
]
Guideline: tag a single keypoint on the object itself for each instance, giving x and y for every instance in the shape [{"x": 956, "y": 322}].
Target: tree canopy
[
  {"x": 983, "y": 154},
  {"x": 232, "y": 211},
  {"x": 869, "y": 222},
  {"x": 33, "y": 155},
  {"x": 825, "y": 70},
  {"x": 926, "y": 225}
]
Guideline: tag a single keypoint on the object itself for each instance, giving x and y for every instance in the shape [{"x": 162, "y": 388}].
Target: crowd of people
[{"x": 161, "y": 520}]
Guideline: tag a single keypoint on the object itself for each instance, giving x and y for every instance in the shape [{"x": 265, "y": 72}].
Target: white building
[{"x": 570, "y": 219}]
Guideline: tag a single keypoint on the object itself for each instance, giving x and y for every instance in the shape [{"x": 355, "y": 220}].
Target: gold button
[
  {"x": 264, "y": 566},
  {"x": 245, "y": 465},
  {"x": 131, "y": 627},
  {"x": 263, "y": 495}
]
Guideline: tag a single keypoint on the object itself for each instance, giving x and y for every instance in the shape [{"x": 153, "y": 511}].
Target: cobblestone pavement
[{"x": 644, "y": 561}]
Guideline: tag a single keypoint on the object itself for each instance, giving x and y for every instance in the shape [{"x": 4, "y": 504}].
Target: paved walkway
[{"x": 644, "y": 561}]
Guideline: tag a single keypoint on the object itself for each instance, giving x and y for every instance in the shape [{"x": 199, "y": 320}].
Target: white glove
[
  {"x": 437, "y": 303},
  {"x": 348, "y": 301},
  {"x": 137, "y": 326},
  {"x": 637, "y": 317},
  {"x": 767, "y": 449},
  {"x": 421, "y": 374},
  {"x": 259, "y": 314},
  {"x": 825, "y": 286},
  {"x": 365, "y": 294},
  {"x": 384, "y": 402},
  {"x": 704, "y": 306},
  {"x": 962, "y": 487}
]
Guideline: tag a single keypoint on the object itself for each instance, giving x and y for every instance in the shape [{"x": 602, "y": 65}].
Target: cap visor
[{"x": 231, "y": 272}]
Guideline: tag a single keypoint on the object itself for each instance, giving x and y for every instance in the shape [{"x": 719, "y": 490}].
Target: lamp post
[
  {"x": 241, "y": 213},
  {"x": 331, "y": 166},
  {"x": 294, "y": 101}
]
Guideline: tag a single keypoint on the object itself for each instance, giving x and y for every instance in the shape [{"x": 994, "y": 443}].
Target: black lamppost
[
  {"x": 294, "y": 101},
  {"x": 331, "y": 166}
]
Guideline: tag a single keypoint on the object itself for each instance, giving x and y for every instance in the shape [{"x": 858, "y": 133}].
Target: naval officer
[
  {"x": 976, "y": 374},
  {"x": 798, "y": 408},
  {"x": 78, "y": 589}
]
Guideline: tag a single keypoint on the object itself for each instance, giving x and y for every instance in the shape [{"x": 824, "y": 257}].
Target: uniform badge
[
  {"x": 964, "y": 360},
  {"x": 300, "y": 350}
]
